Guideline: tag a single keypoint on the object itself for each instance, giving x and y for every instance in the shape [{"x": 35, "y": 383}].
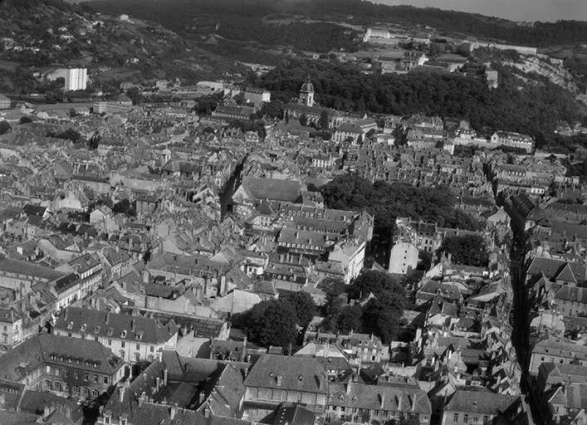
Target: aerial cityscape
[{"x": 291, "y": 212}]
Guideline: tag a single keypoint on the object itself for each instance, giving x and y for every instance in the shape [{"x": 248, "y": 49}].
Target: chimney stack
[
  {"x": 121, "y": 394},
  {"x": 382, "y": 400},
  {"x": 142, "y": 398},
  {"x": 172, "y": 412},
  {"x": 165, "y": 377}
]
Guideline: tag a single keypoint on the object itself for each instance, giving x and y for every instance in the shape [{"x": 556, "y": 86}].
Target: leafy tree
[
  {"x": 269, "y": 323},
  {"x": 124, "y": 207},
  {"x": 304, "y": 307},
  {"x": 134, "y": 94},
  {"x": 376, "y": 282},
  {"x": 4, "y": 127},
  {"x": 324, "y": 120},
  {"x": 273, "y": 109},
  {"x": 304, "y": 120},
  {"x": 349, "y": 319},
  {"x": 469, "y": 250},
  {"x": 25, "y": 120},
  {"x": 94, "y": 141}
]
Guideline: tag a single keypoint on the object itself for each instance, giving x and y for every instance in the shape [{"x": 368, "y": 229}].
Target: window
[
  {"x": 86, "y": 377},
  {"x": 138, "y": 347},
  {"x": 57, "y": 386},
  {"x": 85, "y": 391},
  {"x": 96, "y": 379},
  {"x": 76, "y": 375},
  {"x": 152, "y": 349},
  {"x": 95, "y": 338},
  {"x": 95, "y": 393},
  {"x": 109, "y": 343},
  {"x": 105, "y": 380},
  {"x": 76, "y": 390},
  {"x": 466, "y": 418},
  {"x": 122, "y": 344},
  {"x": 122, "y": 354},
  {"x": 455, "y": 417},
  {"x": 65, "y": 373}
]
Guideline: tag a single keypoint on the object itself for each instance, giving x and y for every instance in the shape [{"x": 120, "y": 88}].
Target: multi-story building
[
  {"x": 403, "y": 258},
  {"x": 65, "y": 366},
  {"x": 11, "y": 325},
  {"x": 275, "y": 379},
  {"x": 362, "y": 404},
  {"x": 477, "y": 407},
  {"x": 76, "y": 79},
  {"x": 4, "y": 102},
  {"x": 84, "y": 278},
  {"x": 133, "y": 338},
  {"x": 557, "y": 351}
]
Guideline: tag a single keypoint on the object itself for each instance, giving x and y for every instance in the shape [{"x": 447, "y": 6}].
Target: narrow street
[{"x": 520, "y": 319}]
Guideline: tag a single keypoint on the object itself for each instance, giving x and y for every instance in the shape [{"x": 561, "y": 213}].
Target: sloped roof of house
[
  {"x": 407, "y": 399},
  {"x": 479, "y": 402},
  {"x": 293, "y": 373},
  {"x": 273, "y": 189},
  {"x": 48, "y": 348},
  {"x": 125, "y": 326}
]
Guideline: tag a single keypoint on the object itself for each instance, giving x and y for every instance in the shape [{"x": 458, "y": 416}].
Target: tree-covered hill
[
  {"x": 532, "y": 106},
  {"x": 184, "y": 14}
]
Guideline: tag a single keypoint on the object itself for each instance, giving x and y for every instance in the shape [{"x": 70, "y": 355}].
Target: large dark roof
[
  {"x": 294, "y": 373},
  {"x": 273, "y": 189},
  {"x": 112, "y": 325}
]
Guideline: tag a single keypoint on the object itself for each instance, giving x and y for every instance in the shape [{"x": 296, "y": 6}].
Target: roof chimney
[
  {"x": 172, "y": 412},
  {"x": 382, "y": 400},
  {"x": 279, "y": 380},
  {"x": 142, "y": 399},
  {"x": 121, "y": 394},
  {"x": 165, "y": 377}
]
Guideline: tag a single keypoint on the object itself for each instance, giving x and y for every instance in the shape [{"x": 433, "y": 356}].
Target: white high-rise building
[{"x": 76, "y": 79}]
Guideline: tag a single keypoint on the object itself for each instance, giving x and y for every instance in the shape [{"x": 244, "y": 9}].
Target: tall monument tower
[{"x": 307, "y": 93}]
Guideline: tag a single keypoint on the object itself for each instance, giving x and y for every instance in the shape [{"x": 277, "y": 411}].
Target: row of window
[
  {"x": 474, "y": 419},
  {"x": 76, "y": 375},
  {"x": 63, "y": 387}
]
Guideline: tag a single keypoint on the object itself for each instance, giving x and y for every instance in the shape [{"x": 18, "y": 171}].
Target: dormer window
[
  {"x": 123, "y": 334},
  {"x": 83, "y": 328},
  {"x": 70, "y": 325},
  {"x": 110, "y": 331},
  {"x": 96, "y": 329},
  {"x": 140, "y": 335}
]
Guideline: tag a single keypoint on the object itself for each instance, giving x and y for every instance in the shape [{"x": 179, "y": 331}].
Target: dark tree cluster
[
  {"x": 69, "y": 134},
  {"x": 380, "y": 316},
  {"x": 386, "y": 201},
  {"x": 275, "y": 322},
  {"x": 468, "y": 250},
  {"x": 125, "y": 207}
]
